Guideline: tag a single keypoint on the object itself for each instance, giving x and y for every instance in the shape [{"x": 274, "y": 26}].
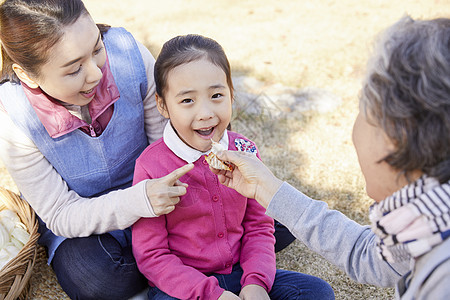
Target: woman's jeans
[
  {"x": 98, "y": 267},
  {"x": 288, "y": 285}
]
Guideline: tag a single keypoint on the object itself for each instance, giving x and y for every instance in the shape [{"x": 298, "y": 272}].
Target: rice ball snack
[{"x": 214, "y": 161}]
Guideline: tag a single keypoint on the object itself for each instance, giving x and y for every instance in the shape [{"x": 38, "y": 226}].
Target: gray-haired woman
[{"x": 402, "y": 138}]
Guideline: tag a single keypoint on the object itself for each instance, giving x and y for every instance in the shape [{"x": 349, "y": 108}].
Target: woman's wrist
[{"x": 268, "y": 189}]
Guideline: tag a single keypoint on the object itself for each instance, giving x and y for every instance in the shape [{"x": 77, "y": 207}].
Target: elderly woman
[{"x": 401, "y": 136}]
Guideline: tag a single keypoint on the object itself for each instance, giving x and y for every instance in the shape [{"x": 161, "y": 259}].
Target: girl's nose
[{"x": 205, "y": 112}]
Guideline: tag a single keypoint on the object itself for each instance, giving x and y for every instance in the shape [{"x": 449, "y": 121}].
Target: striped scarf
[{"x": 413, "y": 220}]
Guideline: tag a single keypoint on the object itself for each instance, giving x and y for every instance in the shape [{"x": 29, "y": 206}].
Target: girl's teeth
[{"x": 205, "y": 132}]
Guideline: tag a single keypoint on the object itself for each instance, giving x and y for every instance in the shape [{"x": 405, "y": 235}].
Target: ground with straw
[{"x": 292, "y": 46}]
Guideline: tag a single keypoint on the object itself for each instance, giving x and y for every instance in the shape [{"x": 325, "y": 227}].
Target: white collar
[{"x": 184, "y": 151}]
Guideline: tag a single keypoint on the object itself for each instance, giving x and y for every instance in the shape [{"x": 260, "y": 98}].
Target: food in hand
[{"x": 214, "y": 161}]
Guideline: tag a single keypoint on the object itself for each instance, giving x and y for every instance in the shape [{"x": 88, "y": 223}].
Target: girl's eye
[
  {"x": 76, "y": 72},
  {"x": 186, "y": 100},
  {"x": 217, "y": 95}
]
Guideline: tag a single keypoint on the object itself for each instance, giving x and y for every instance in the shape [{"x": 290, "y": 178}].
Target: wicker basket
[{"x": 15, "y": 275}]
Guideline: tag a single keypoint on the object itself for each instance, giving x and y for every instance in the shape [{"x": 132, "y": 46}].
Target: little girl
[{"x": 216, "y": 243}]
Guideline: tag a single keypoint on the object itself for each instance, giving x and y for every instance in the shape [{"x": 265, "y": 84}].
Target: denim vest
[{"x": 93, "y": 166}]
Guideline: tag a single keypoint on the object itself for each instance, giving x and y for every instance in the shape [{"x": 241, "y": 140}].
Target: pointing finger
[{"x": 176, "y": 174}]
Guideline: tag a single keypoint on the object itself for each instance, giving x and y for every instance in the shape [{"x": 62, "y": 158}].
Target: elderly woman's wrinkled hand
[{"x": 249, "y": 177}]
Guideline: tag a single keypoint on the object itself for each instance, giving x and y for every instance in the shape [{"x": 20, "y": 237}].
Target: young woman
[
  {"x": 76, "y": 109},
  {"x": 215, "y": 244},
  {"x": 402, "y": 139}
]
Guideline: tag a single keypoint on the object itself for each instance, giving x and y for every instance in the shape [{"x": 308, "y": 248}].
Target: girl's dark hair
[
  {"x": 184, "y": 49},
  {"x": 407, "y": 94},
  {"x": 30, "y": 28}
]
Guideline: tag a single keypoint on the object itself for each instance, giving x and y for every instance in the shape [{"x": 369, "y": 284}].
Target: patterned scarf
[{"x": 413, "y": 220}]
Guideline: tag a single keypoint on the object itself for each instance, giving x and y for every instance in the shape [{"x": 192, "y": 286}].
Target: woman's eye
[
  {"x": 76, "y": 72},
  {"x": 98, "y": 50},
  {"x": 217, "y": 95}
]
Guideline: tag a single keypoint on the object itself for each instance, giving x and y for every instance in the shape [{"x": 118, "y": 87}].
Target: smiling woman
[
  {"x": 73, "y": 70},
  {"x": 77, "y": 107}
]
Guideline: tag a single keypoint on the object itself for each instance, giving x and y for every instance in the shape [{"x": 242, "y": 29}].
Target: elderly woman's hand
[
  {"x": 164, "y": 193},
  {"x": 250, "y": 177}
]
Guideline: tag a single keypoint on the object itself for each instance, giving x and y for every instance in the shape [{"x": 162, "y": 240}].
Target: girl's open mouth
[{"x": 206, "y": 133}]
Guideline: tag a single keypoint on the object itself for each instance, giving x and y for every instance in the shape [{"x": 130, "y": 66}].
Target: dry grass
[{"x": 300, "y": 44}]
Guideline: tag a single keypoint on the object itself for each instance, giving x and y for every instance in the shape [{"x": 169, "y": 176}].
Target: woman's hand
[
  {"x": 253, "y": 292},
  {"x": 250, "y": 177},
  {"x": 228, "y": 296},
  {"x": 164, "y": 192}
]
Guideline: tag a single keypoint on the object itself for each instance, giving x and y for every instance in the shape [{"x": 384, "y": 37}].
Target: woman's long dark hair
[{"x": 30, "y": 28}]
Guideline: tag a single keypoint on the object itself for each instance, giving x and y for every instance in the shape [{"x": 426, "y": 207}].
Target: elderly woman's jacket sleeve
[{"x": 343, "y": 242}]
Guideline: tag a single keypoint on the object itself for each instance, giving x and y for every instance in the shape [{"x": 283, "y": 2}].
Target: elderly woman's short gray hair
[{"x": 407, "y": 93}]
